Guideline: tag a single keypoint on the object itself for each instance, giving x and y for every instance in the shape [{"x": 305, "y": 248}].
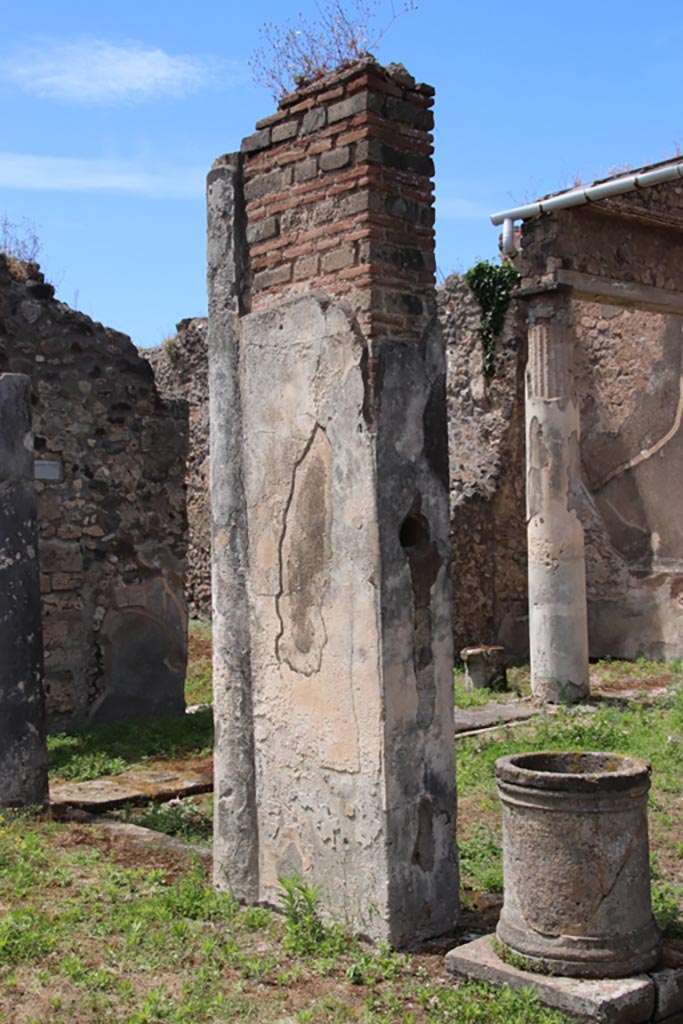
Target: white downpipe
[
  {"x": 508, "y": 235},
  {"x": 580, "y": 196}
]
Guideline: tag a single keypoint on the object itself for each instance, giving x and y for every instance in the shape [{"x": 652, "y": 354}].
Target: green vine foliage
[{"x": 492, "y": 284}]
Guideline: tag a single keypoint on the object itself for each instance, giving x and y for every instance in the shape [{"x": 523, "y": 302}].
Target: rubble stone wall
[
  {"x": 181, "y": 371},
  {"x": 109, "y": 464},
  {"x": 486, "y": 448}
]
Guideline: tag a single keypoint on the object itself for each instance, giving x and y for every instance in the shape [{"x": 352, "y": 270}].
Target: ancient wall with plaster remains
[
  {"x": 109, "y": 463},
  {"x": 628, "y": 367},
  {"x": 628, "y": 376}
]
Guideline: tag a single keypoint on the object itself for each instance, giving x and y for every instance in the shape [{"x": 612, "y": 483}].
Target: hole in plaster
[{"x": 414, "y": 530}]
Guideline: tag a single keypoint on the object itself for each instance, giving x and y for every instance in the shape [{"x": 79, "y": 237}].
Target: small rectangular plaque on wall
[{"x": 51, "y": 470}]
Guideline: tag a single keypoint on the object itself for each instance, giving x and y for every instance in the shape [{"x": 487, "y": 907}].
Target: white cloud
[
  {"x": 72, "y": 174},
  {"x": 96, "y": 71}
]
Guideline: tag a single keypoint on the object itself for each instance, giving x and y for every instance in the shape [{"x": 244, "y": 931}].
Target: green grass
[
  {"x": 652, "y": 731},
  {"x": 481, "y": 865},
  {"x": 113, "y": 936},
  {"x": 198, "y": 687},
  {"x": 108, "y": 750},
  {"x": 93, "y": 932},
  {"x": 186, "y": 819},
  {"x": 472, "y": 699}
]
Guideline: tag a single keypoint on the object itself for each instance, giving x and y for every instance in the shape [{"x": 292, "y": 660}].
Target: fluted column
[{"x": 557, "y": 577}]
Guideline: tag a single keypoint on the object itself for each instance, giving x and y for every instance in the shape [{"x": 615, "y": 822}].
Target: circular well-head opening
[{"x": 567, "y": 769}]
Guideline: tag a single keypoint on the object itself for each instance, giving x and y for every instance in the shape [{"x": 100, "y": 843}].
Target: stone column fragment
[
  {"x": 23, "y": 753},
  {"x": 557, "y": 580}
]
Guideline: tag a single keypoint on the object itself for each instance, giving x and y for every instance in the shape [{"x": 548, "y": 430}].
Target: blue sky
[{"x": 112, "y": 113}]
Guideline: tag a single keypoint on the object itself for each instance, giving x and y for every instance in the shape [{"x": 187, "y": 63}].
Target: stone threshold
[
  {"x": 653, "y": 996},
  {"x": 139, "y": 785},
  {"x": 494, "y": 715},
  {"x": 137, "y": 833}
]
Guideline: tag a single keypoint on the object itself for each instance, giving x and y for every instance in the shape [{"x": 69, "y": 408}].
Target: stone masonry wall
[
  {"x": 111, "y": 509},
  {"x": 645, "y": 232},
  {"x": 181, "y": 371},
  {"x": 486, "y": 443}
]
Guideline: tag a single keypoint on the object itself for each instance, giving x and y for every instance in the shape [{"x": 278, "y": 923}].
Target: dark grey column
[
  {"x": 235, "y": 841},
  {"x": 23, "y": 754}
]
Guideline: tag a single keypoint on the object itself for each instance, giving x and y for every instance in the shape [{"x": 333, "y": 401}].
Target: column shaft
[
  {"x": 23, "y": 753},
  {"x": 235, "y": 823},
  {"x": 557, "y": 580}
]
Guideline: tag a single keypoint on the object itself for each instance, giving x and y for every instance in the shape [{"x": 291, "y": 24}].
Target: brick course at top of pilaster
[{"x": 338, "y": 193}]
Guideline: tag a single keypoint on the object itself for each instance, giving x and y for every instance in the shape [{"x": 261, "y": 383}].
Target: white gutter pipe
[{"x": 580, "y": 196}]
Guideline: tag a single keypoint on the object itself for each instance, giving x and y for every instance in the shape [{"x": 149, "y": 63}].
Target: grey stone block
[
  {"x": 313, "y": 120},
  {"x": 668, "y": 982},
  {"x": 257, "y": 141},
  {"x": 355, "y": 104},
  {"x": 607, "y": 1001},
  {"x": 262, "y": 230}
]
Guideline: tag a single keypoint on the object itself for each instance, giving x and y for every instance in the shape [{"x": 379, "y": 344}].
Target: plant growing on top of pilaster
[
  {"x": 492, "y": 284},
  {"x": 297, "y": 53}
]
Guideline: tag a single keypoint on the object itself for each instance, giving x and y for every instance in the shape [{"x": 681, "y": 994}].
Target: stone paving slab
[
  {"x": 608, "y": 1001},
  {"x": 140, "y": 785},
  {"x": 492, "y": 714},
  {"x": 144, "y": 836}
]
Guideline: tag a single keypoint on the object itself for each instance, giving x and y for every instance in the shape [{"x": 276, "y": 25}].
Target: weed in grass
[
  {"x": 369, "y": 967},
  {"x": 475, "y": 1002},
  {"x": 94, "y": 979},
  {"x": 470, "y": 699},
  {"x": 190, "y": 896},
  {"x": 304, "y": 931},
  {"x": 25, "y": 936},
  {"x": 255, "y": 918},
  {"x": 83, "y": 766}
]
